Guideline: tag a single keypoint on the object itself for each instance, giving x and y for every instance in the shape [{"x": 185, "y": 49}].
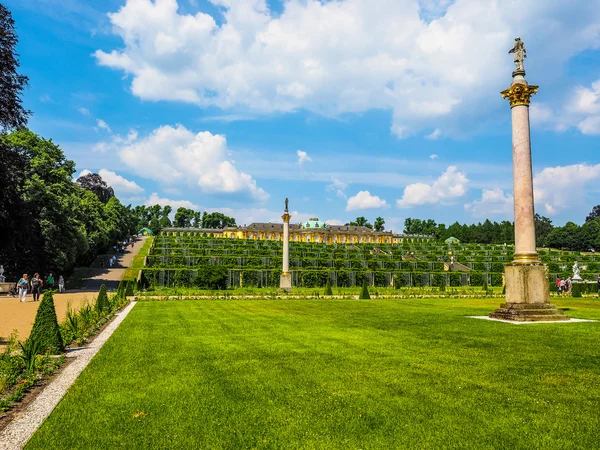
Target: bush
[
  {"x": 46, "y": 332},
  {"x": 102, "y": 303},
  {"x": 576, "y": 290},
  {"x": 364, "y": 293},
  {"x": 485, "y": 284},
  {"x": 129, "y": 289},
  {"x": 328, "y": 290},
  {"x": 215, "y": 277}
]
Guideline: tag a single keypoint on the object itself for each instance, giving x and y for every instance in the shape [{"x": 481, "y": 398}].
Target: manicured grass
[{"x": 335, "y": 374}]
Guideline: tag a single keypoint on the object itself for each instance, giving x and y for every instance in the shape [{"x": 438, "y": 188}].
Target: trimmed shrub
[
  {"x": 46, "y": 332},
  {"x": 485, "y": 284},
  {"x": 102, "y": 303},
  {"x": 129, "y": 289},
  {"x": 364, "y": 293},
  {"x": 328, "y": 290},
  {"x": 576, "y": 293}
]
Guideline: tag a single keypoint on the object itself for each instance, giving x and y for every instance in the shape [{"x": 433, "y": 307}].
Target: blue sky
[{"x": 375, "y": 108}]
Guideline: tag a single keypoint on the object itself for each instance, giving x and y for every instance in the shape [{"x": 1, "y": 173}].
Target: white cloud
[
  {"x": 103, "y": 125},
  {"x": 337, "y": 186},
  {"x": 155, "y": 199},
  {"x": 346, "y": 56},
  {"x": 364, "y": 200},
  {"x": 561, "y": 187},
  {"x": 84, "y": 111},
  {"x": 434, "y": 156},
  {"x": 434, "y": 135},
  {"x": 303, "y": 157},
  {"x": 451, "y": 185},
  {"x": 122, "y": 186},
  {"x": 334, "y": 222},
  {"x": 493, "y": 202},
  {"x": 174, "y": 156}
]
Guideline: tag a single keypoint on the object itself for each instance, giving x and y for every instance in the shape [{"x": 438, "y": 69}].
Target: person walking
[
  {"x": 569, "y": 283},
  {"x": 36, "y": 287},
  {"x": 558, "y": 285},
  {"x": 22, "y": 288},
  {"x": 50, "y": 281},
  {"x": 563, "y": 287},
  {"x": 61, "y": 284}
]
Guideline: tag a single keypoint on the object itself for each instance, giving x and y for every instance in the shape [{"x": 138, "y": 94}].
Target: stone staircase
[{"x": 529, "y": 312}]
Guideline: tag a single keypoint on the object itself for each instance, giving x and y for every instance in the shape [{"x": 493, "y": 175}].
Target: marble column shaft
[
  {"x": 523, "y": 186},
  {"x": 286, "y": 243}
]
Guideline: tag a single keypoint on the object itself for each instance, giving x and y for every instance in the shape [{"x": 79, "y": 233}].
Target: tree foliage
[
  {"x": 45, "y": 331},
  {"x": 12, "y": 113},
  {"x": 595, "y": 212},
  {"x": 379, "y": 224},
  {"x": 360, "y": 222},
  {"x": 94, "y": 183}
]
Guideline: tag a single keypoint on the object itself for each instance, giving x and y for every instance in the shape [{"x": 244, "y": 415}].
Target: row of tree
[
  {"x": 158, "y": 217},
  {"x": 571, "y": 236},
  {"x": 378, "y": 225}
]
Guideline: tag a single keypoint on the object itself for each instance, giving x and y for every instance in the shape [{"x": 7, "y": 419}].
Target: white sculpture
[{"x": 576, "y": 273}]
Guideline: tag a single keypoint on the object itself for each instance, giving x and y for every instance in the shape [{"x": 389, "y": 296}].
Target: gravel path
[{"x": 20, "y": 430}]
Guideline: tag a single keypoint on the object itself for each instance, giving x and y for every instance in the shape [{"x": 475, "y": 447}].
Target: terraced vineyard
[{"x": 186, "y": 260}]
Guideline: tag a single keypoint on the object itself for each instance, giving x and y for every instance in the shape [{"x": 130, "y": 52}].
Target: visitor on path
[
  {"x": 36, "y": 287},
  {"x": 558, "y": 285},
  {"x": 563, "y": 287},
  {"x": 50, "y": 281},
  {"x": 61, "y": 284},
  {"x": 110, "y": 263},
  {"x": 569, "y": 283},
  {"x": 22, "y": 288}
]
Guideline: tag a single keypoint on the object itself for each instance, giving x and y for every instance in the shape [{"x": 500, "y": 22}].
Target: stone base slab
[
  {"x": 527, "y": 283},
  {"x": 529, "y": 312},
  {"x": 285, "y": 282}
]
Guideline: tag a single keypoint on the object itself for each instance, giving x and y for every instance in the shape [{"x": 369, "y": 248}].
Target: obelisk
[
  {"x": 285, "y": 281},
  {"x": 527, "y": 290}
]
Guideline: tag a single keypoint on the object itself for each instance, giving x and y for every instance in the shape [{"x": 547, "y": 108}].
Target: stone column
[
  {"x": 527, "y": 290},
  {"x": 286, "y": 278}
]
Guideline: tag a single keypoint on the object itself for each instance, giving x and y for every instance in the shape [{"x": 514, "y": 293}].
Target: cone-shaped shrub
[
  {"x": 485, "y": 284},
  {"x": 121, "y": 289},
  {"x": 576, "y": 290},
  {"x": 129, "y": 289},
  {"x": 102, "y": 303},
  {"x": 45, "y": 331},
  {"x": 364, "y": 293},
  {"x": 504, "y": 290},
  {"x": 328, "y": 290}
]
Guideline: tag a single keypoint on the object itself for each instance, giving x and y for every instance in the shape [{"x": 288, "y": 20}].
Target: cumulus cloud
[
  {"x": 174, "y": 155},
  {"x": 84, "y": 111},
  {"x": 451, "y": 185},
  {"x": 303, "y": 157},
  {"x": 121, "y": 186},
  {"x": 561, "y": 187},
  {"x": 155, "y": 199},
  {"x": 364, "y": 200},
  {"x": 434, "y": 136},
  {"x": 493, "y": 202},
  {"x": 103, "y": 125},
  {"x": 345, "y": 56},
  {"x": 434, "y": 156},
  {"x": 116, "y": 142},
  {"x": 337, "y": 186}
]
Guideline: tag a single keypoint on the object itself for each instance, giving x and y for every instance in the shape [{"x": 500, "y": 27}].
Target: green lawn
[{"x": 335, "y": 374}]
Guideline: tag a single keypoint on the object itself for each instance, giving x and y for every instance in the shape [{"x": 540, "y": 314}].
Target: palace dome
[{"x": 315, "y": 223}]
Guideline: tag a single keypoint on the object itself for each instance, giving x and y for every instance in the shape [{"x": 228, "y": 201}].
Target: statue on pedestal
[
  {"x": 520, "y": 54},
  {"x": 286, "y": 205},
  {"x": 576, "y": 273}
]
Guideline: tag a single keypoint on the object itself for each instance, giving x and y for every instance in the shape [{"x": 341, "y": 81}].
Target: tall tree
[
  {"x": 379, "y": 224},
  {"x": 593, "y": 214},
  {"x": 12, "y": 113},
  {"x": 360, "y": 222},
  {"x": 94, "y": 183}
]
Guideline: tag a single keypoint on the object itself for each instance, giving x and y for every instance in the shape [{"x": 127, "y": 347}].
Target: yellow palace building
[{"x": 313, "y": 230}]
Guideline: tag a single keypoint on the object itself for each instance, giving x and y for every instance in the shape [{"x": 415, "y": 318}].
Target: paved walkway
[
  {"x": 19, "y": 317},
  {"x": 112, "y": 276}
]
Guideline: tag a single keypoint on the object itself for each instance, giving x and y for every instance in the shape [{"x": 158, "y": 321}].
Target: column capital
[
  {"x": 286, "y": 217},
  {"x": 519, "y": 94}
]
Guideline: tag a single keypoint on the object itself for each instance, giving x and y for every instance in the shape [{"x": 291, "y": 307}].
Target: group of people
[
  {"x": 564, "y": 286},
  {"x": 35, "y": 285}
]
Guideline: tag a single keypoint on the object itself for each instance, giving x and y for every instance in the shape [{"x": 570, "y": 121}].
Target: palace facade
[{"x": 313, "y": 230}]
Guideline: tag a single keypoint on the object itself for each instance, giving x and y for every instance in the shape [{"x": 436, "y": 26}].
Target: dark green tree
[
  {"x": 595, "y": 212},
  {"x": 364, "y": 292},
  {"x": 12, "y": 84},
  {"x": 94, "y": 183},
  {"x": 328, "y": 290},
  {"x": 45, "y": 331},
  {"x": 379, "y": 224},
  {"x": 102, "y": 303},
  {"x": 360, "y": 222}
]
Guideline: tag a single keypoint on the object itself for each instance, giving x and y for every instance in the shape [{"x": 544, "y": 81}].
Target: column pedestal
[
  {"x": 285, "y": 282},
  {"x": 528, "y": 295}
]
